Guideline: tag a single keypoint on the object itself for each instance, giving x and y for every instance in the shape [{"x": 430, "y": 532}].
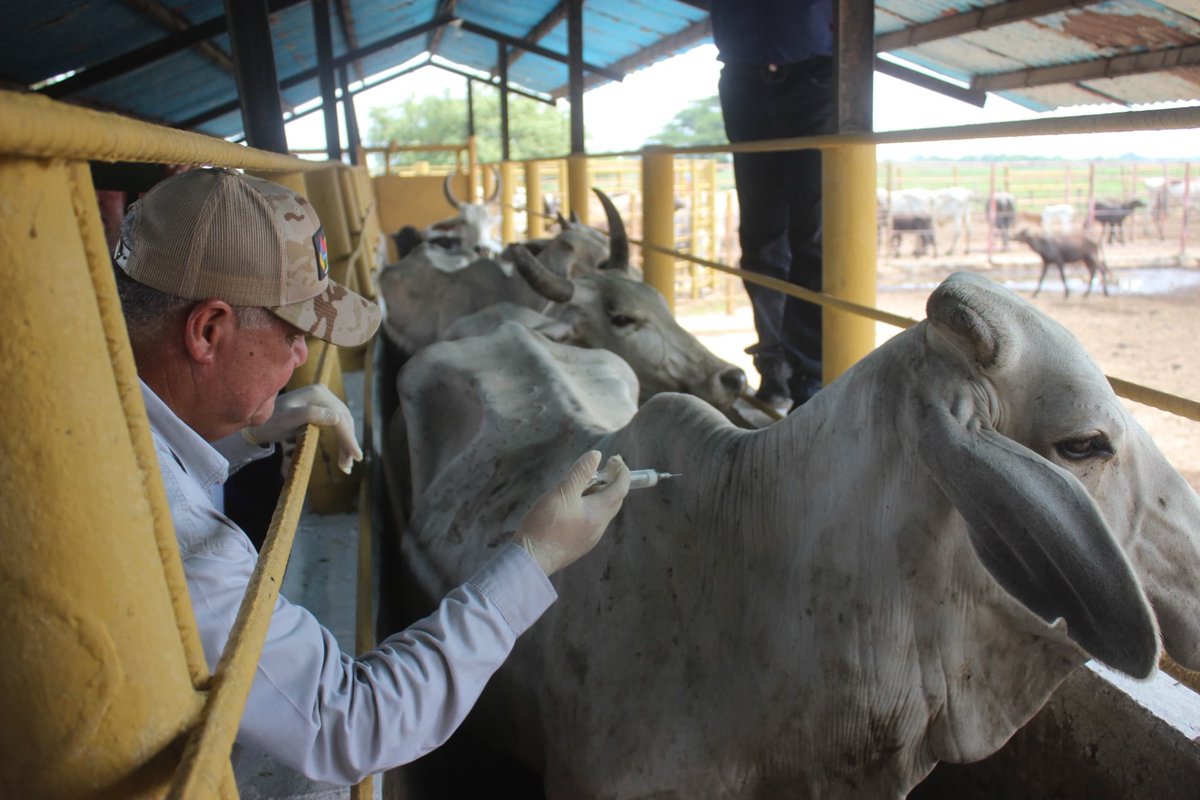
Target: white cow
[
  {"x": 898, "y": 573},
  {"x": 910, "y": 210},
  {"x": 468, "y": 235},
  {"x": 923, "y": 210},
  {"x": 953, "y": 204},
  {"x": 475, "y": 225},
  {"x": 1058, "y": 218},
  {"x": 422, "y": 298},
  {"x": 605, "y": 306},
  {"x": 1176, "y": 192},
  {"x": 578, "y": 249},
  {"x": 608, "y": 310}
]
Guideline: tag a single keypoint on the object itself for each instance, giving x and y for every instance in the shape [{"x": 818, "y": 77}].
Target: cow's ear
[
  {"x": 959, "y": 311},
  {"x": 1039, "y": 534}
]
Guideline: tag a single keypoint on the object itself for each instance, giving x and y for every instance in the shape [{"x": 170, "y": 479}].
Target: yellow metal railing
[
  {"x": 364, "y": 616},
  {"x": 391, "y": 149},
  {"x": 207, "y": 754},
  {"x": 37, "y": 131}
]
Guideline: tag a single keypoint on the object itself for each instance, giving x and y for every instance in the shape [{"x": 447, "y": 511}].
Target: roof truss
[
  {"x": 979, "y": 19},
  {"x": 1115, "y": 67}
]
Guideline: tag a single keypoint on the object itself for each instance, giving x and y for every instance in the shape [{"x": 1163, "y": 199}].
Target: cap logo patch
[
  {"x": 322, "y": 253},
  {"x": 121, "y": 254}
]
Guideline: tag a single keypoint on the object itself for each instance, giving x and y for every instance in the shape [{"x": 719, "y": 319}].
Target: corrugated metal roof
[
  {"x": 1045, "y": 54},
  {"x": 1041, "y": 53}
]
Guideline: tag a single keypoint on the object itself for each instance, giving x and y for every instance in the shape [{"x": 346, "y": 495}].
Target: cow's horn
[
  {"x": 495, "y": 185},
  {"x": 618, "y": 246},
  {"x": 449, "y": 192},
  {"x": 544, "y": 282}
]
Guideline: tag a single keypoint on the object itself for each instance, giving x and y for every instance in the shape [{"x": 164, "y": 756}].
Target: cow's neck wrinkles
[{"x": 815, "y": 544}]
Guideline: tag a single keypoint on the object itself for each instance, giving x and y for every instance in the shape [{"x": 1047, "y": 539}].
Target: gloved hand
[
  {"x": 562, "y": 524},
  {"x": 311, "y": 404}
]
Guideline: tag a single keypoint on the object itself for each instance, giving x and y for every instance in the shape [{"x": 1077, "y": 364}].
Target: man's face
[{"x": 257, "y": 363}]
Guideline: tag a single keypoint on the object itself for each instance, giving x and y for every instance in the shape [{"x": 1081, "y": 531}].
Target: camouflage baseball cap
[{"x": 216, "y": 233}]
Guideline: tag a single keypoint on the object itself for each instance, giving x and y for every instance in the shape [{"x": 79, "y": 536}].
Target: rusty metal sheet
[{"x": 1076, "y": 36}]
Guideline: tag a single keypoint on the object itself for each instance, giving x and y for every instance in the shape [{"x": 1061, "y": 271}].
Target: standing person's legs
[
  {"x": 765, "y": 251},
  {"x": 802, "y": 320},
  {"x": 804, "y": 107},
  {"x": 763, "y": 227}
]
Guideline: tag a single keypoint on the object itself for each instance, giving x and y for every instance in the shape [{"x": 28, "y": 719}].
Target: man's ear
[{"x": 207, "y": 326}]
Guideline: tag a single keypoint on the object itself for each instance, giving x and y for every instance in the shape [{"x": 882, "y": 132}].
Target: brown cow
[{"x": 1063, "y": 249}]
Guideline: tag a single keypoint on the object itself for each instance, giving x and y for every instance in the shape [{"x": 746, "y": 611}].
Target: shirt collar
[{"x": 197, "y": 457}]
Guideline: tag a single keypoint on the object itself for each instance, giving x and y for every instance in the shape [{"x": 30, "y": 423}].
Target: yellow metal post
[
  {"x": 508, "y": 229},
  {"x": 99, "y": 686},
  {"x": 330, "y": 489},
  {"x": 694, "y": 195},
  {"x": 577, "y": 185},
  {"x": 472, "y": 169},
  {"x": 533, "y": 199},
  {"x": 331, "y": 193},
  {"x": 658, "y": 189},
  {"x": 373, "y": 249},
  {"x": 564, "y": 191},
  {"x": 848, "y": 192}
]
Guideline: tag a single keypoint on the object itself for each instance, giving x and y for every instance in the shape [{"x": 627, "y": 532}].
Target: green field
[{"x": 1036, "y": 183}]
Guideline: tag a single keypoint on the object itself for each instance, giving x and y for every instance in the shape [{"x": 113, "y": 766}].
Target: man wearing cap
[{"x": 221, "y": 276}]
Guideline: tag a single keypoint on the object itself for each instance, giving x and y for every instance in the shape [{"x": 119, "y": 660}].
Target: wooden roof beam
[
  {"x": 170, "y": 20},
  {"x": 493, "y": 82},
  {"x": 541, "y": 29},
  {"x": 444, "y": 8},
  {"x": 513, "y": 41},
  {"x": 979, "y": 19},
  {"x": 345, "y": 16},
  {"x": 1115, "y": 67},
  {"x": 309, "y": 74},
  {"x": 664, "y": 47},
  {"x": 136, "y": 59}
]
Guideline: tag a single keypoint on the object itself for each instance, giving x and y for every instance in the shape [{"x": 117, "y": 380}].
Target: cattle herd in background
[{"x": 928, "y": 216}]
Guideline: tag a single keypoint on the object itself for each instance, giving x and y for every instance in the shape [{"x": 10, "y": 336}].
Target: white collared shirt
[{"x": 329, "y": 716}]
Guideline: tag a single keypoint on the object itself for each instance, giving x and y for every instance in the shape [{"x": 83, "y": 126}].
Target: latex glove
[
  {"x": 562, "y": 524},
  {"x": 312, "y": 404}
]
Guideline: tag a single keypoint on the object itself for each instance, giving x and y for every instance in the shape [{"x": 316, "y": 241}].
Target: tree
[
  {"x": 535, "y": 130},
  {"x": 701, "y": 122}
]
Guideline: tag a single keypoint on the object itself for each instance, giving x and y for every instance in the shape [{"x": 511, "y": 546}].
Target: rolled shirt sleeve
[{"x": 338, "y": 719}]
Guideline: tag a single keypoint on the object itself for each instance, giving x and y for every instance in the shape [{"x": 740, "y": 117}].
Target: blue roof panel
[{"x": 48, "y": 38}]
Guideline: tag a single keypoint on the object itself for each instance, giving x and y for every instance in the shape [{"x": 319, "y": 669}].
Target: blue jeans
[{"x": 780, "y": 199}]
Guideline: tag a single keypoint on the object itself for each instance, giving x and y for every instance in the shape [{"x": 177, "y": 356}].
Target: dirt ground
[{"x": 1146, "y": 331}]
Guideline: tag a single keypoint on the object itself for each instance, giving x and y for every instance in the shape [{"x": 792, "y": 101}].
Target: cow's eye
[
  {"x": 1092, "y": 446},
  {"x": 621, "y": 320}
]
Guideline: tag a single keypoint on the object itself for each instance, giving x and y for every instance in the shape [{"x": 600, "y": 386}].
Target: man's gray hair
[{"x": 147, "y": 309}]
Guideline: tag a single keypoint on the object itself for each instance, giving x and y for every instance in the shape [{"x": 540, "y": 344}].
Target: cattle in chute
[
  {"x": 422, "y": 298},
  {"x": 898, "y": 573},
  {"x": 471, "y": 232}
]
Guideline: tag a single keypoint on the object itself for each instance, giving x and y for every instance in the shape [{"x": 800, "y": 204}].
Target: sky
[{"x": 621, "y": 116}]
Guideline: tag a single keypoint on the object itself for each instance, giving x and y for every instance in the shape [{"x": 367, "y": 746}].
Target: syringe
[{"x": 638, "y": 479}]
